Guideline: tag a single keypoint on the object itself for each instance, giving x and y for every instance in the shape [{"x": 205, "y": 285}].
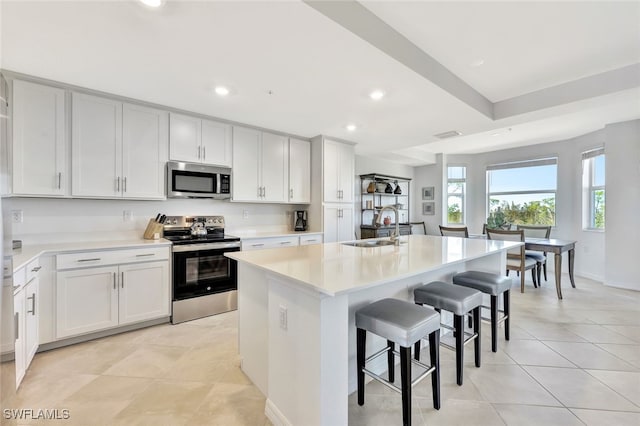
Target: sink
[{"x": 376, "y": 243}]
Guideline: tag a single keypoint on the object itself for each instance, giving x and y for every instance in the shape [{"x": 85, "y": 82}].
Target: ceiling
[{"x": 504, "y": 74}]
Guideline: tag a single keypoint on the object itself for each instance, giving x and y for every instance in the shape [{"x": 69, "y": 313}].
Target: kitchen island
[{"x": 296, "y": 313}]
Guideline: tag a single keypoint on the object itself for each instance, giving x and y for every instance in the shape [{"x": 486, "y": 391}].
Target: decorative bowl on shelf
[{"x": 380, "y": 186}]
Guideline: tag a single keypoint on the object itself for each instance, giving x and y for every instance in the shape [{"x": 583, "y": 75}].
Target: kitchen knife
[
  {"x": 163, "y": 218},
  {"x": 158, "y": 218}
]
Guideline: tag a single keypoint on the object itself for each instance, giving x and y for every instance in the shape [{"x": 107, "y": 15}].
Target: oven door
[{"x": 199, "y": 270}]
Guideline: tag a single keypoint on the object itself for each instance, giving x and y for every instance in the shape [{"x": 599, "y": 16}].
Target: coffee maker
[{"x": 300, "y": 220}]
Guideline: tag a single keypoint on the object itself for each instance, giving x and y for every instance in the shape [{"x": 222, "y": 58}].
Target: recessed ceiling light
[
  {"x": 152, "y": 3},
  {"x": 376, "y": 95},
  {"x": 221, "y": 91},
  {"x": 449, "y": 134},
  {"x": 352, "y": 127},
  {"x": 477, "y": 63}
]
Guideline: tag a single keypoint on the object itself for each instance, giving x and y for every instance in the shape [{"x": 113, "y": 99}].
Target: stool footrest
[
  {"x": 428, "y": 370},
  {"x": 488, "y": 320}
]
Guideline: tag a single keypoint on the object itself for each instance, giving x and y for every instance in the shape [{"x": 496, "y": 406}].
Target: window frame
[
  {"x": 463, "y": 196},
  {"x": 520, "y": 164},
  {"x": 589, "y": 189}
]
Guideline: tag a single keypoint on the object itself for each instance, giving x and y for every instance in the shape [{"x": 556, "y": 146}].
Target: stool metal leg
[
  {"x": 458, "y": 325},
  {"x": 476, "y": 329},
  {"x": 434, "y": 346},
  {"x": 494, "y": 323},
  {"x": 361, "y": 339},
  {"x": 507, "y": 308},
  {"x": 391, "y": 365},
  {"x": 405, "y": 385}
]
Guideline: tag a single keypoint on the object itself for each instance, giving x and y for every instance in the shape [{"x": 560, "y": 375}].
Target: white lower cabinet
[
  {"x": 282, "y": 241},
  {"x": 26, "y": 317},
  {"x": 101, "y": 297},
  {"x": 338, "y": 223},
  {"x": 19, "y": 335}
]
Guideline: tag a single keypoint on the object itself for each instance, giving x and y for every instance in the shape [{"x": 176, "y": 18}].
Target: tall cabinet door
[
  {"x": 331, "y": 171},
  {"x": 39, "y": 140},
  {"x": 246, "y": 164},
  {"x": 275, "y": 167},
  {"x": 96, "y": 146},
  {"x": 145, "y": 139},
  {"x": 86, "y": 300},
  {"x": 216, "y": 143},
  {"x": 144, "y": 292},
  {"x": 185, "y": 136},
  {"x": 345, "y": 224},
  {"x": 346, "y": 172},
  {"x": 299, "y": 171}
]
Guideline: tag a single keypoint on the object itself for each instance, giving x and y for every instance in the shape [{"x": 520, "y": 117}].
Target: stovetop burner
[{"x": 177, "y": 229}]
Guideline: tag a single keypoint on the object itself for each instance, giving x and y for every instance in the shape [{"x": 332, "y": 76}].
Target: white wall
[
  {"x": 431, "y": 175},
  {"x": 56, "y": 220},
  {"x": 622, "y": 153},
  {"x": 366, "y": 165}
]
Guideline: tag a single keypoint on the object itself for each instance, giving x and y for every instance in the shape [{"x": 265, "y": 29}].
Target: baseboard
[
  {"x": 625, "y": 286},
  {"x": 275, "y": 415},
  {"x": 589, "y": 276}
]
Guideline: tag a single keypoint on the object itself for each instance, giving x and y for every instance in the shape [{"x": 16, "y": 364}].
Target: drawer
[
  {"x": 305, "y": 240},
  {"x": 265, "y": 243},
  {"x": 110, "y": 257},
  {"x": 32, "y": 269},
  {"x": 19, "y": 279}
]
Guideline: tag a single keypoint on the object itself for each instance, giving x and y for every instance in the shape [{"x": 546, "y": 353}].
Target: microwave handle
[{"x": 218, "y": 183}]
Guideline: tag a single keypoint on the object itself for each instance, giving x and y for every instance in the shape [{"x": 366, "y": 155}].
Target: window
[
  {"x": 456, "y": 187},
  {"x": 523, "y": 192},
  {"x": 593, "y": 189}
]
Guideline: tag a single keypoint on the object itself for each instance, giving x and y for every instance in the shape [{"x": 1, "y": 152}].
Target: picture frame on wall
[
  {"x": 428, "y": 193},
  {"x": 429, "y": 208}
]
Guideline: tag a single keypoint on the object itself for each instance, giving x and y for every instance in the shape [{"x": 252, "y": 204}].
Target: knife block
[{"x": 153, "y": 227}]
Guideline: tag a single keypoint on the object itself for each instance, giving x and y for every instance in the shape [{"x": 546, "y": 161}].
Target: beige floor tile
[
  {"x": 530, "y": 415},
  {"x": 147, "y": 361},
  {"x": 461, "y": 412},
  {"x": 577, "y": 389},
  {"x": 228, "y": 404},
  {"x": 509, "y": 384},
  {"x": 48, "y": 390},
  {"x": 628, "y": 353},
  {"x": 181, "y": 335},
  {"x": 379, "y": 410},
  {"x": 196, "y": 365},
  {"x": 625, "y": 383},
  {"x": 610, "y": 418},
  {"x": 631, "y": 331},
  {"x": 551, "y": 331},
  {"x": 588, "y": 355},
  {"x": 533, "y": 352},
  {"x": 595, "y": 333},
  {"x": 109, "y": 388},
  {"x": 616, "y": 317}
]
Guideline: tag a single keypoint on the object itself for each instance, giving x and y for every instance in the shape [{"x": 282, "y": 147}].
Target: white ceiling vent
[{"x": 449, "y": 134}]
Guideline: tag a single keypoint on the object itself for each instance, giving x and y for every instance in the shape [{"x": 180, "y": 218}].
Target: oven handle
[{"x": 207, "y": 246}]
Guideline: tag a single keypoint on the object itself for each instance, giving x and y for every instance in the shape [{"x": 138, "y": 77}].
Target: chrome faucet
[{"x": 394, "y": 237}]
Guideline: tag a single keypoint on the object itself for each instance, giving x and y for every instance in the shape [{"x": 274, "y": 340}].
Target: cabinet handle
[
  {"x": 124, "y": 184},
  {"x": 33, "y": 304},
  {"x": 16, "y": 325},
  {"x": 89, "y": 260},
  {"x": 118, "y": 184},
  {"x": 285, "y": 242},
  {"x": 259, "y": 191},
  {"x": 36, "y": 269},
  {"x": 204, "y": 152},
  {"x": 291, "y": 193},
  {"x": 264, "y": 192},
  {"x": 114, "y": 281},
  {"x": 199, "y": 153},
  {"x": 145, "y": 255},
  {"x": 311, "y": 241},
  {"x": 59, "y": 180},
  {"x": 121, "y": 279},
  {"x": 257, "y": 245}
]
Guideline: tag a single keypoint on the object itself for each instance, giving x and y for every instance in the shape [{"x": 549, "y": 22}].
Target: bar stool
[
  {"x": 493, "y": 285},
  {"x": 403, "y": 323},
  {"x": 460, "y": 301}
]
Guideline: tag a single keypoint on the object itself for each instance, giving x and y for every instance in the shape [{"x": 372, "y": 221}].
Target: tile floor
[{"x": 569, "y": 362}]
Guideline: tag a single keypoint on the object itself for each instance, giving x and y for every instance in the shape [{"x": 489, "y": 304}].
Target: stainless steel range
[{"x": 204, "y": 280}]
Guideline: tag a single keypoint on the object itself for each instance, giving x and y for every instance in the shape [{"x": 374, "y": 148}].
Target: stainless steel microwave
[{"x": 190, "y": 180}]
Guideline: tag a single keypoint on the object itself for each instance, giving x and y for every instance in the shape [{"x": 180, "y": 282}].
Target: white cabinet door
[
  {"x": 246, "y": 165},
  {"x": 331, "y": 171},
  {"x": 144, "y": 152},
  {"x": 86, "y": 300},
  {"x": 96, "y": 146},
  {"x": 32, "y": 307},
  {"x": 345, "y": 224},
  {"x": 7, "y": 322},
  {"x": 347, "y": 172},
  {"x": 216, "y": 143},
  {"x": 338, "y": 223},
  {"x": 275, "y": 168},
  {"x": 185, "y": 138},
  {"x": 19, "y": 334},
  {"x": 144, "y": 292},
  {"x": 299, "y": 171},
  {"x": 39, "y": 141}
]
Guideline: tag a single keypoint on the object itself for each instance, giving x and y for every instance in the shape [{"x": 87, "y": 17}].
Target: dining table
[{"x": 557, "y": 247}]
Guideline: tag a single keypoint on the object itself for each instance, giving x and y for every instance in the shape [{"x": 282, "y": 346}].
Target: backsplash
[{"x": 48, "y": 220}]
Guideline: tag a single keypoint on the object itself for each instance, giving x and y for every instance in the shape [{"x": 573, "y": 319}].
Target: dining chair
[
  {"x": 537, "y": 231},
  {"x": 454, "y": 231},
  {"x": 516, "y": 259},
  {"x": 505, "y": 226},
  {"x": 418, "y": 228}
]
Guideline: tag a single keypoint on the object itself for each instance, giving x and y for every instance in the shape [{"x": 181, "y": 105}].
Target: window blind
[
  {"x": 529, "y": 163},
  {"x": 593, "y": 153}
]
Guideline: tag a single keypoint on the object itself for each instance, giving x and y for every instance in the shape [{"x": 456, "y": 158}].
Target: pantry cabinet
[
  {"x": 118, "y": 150},
  {"x": 260, "y": 166},
  {"x": 299, "y": 171},
  {"x": 202, "y": 141},
  {"x": 39, "y": 143}
]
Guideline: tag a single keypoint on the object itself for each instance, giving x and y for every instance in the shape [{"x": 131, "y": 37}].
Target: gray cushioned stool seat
[
  {"x": 486, "y": 282},
  {"x": 402, "y": 322},
  {"x": 453, "y": 298}
]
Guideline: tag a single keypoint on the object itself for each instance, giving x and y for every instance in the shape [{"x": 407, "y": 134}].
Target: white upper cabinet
[
  {"x": 338, "y": 163},
  {"x": 199, "y": 141},
  {"x": 118, "y": 150},
  {"x": 299, "y": 171},
  {"x": 260, "y": 166},
  {"x": 39, "y": 163}
]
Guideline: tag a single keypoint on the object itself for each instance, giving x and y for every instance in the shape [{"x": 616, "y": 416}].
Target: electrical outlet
[
  {"x": 16, "y": 216},
  {"x": 245, "y": 214},
  {"x": 127, "y": 215},
  {"x": 283, "y": 317}
]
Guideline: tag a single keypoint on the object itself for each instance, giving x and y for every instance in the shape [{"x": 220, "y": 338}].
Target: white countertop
[
  {"x": 246, "y": 235},
  {"x": 26, "y": 254},
  {"x": 334, "y": 268}
]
